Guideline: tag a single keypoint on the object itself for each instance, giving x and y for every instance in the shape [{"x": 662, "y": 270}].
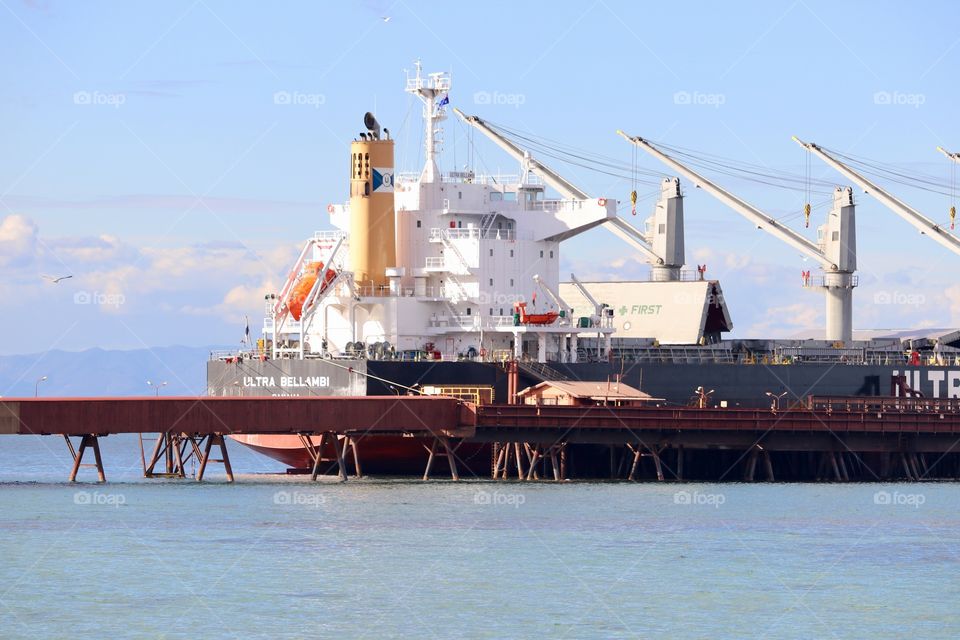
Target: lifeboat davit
[
  {"x": 534, "y": 318},
  {"x": 305, "y": 284}
]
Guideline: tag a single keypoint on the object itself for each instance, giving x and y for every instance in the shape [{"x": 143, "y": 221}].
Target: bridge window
[{"x": 418, "y": 224}]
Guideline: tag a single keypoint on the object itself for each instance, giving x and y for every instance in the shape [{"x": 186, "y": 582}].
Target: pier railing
[{"x": 883, "y": 404}]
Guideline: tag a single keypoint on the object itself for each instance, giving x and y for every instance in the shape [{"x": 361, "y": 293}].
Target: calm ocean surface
[{"x": 275, "y": 557}]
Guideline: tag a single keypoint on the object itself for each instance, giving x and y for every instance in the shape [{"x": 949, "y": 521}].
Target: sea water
[{"x": 274, "y": 556}]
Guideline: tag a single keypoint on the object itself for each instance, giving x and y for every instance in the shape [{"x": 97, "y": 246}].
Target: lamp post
[
  {"x": 702, "y": 397},
  {"x": 36, "y": 387},
  {"x": 775, "y": 400},
  {"x": 156, "y": 386}
]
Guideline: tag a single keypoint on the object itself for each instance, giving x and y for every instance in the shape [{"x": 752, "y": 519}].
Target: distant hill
[{"x": 98, "y": 372}]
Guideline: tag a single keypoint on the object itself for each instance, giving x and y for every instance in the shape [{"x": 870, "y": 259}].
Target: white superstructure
[{"x": 469, "y": 249}]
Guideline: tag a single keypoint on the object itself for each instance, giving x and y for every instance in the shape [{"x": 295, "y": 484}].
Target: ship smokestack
[{"x": 372, "y": 221}]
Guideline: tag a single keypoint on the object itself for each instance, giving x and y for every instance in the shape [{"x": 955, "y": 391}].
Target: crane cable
[
  {"x": 806, "y": 206},
  {"x": 953, "y": 194},
  {"x": 917, "y": 180},
  {"x": 727, "y": 166}
]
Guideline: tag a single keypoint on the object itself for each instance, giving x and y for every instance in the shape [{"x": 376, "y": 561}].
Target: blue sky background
[{"x": 145, "y": 154}]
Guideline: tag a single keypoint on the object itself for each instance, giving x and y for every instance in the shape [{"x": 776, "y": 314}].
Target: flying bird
[
  {"x": 385, "y": 18},
  {"x": 55, "y": 280}
]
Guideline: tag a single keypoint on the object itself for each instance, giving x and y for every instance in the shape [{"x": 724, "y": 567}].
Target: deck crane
[
  {"x": 835, "y": 252},
  {"x": 663, "y": 248},
  {"x": 953, "y": 156},
  {"x": 921, "y": 222},
  {"x": 555, "y": 297},
  {"x": 597, "y": 307}
]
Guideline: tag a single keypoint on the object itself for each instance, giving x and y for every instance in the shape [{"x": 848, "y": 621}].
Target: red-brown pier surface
[
  {"x": 208, "y": 415},
  {"x": 193, "y": 426},
  {"x": 531, "y": 440}
]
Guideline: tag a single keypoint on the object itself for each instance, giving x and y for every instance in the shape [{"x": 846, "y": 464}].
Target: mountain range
[{"x": 100, "y": 372}]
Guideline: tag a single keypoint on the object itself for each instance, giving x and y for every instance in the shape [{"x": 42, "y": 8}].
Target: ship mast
[{"x": 432, "y": 91}]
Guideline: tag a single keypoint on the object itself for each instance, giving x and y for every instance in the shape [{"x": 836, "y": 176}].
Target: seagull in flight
[
  {"x": 55, "y": 280},
  {"x": 385, "y": 18}
]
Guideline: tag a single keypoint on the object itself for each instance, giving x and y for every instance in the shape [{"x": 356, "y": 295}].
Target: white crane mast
[
  {"x": 665, "y": 251},
  {"x": 836, "y": 253},
  {"x": 921, "y": 222}
]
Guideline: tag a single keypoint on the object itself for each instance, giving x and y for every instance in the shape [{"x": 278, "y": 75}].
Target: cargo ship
[{"x": 432, "y": 282}]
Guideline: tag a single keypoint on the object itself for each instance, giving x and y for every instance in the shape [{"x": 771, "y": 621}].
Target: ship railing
[
  {"x": 470, "y": 322},
  {"x": 383, "y": 291},
  {"x": 665, "y": 354},
  {"x": 436, "y": 81},
  {"x": 328, "y": 236},
  {"x": 438, "y": 234},
  {"x": 821, "y": 354},
  {"x": 821, "y": 281},
  {"x": 467, "y": 177},
  {"x": 500, "y": 321},
  {"x": 555, "y": 205},
  {"x": 374, "y": 291},
  {"x": 684, "y": 275},
  {"x": 230, "y": 354}
]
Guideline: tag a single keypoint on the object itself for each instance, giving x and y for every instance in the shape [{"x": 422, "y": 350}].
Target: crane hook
[
  {"x": 806, "y": 214},
  {"x": 633, "y": 202}
]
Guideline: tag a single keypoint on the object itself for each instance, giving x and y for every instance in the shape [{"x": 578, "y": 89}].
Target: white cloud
[
  {"x": 786, "y": 320},
  {"x": 18, "y": 241},
  {"x": 225, "y": 280}
]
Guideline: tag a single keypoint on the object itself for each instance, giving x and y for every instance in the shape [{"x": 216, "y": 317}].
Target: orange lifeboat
[
  {"x": 301, "y": 290},
  {"x": 520, "y": 308}
]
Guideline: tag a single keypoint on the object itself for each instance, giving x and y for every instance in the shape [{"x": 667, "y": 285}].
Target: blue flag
[{"x": 445, "y": 101}]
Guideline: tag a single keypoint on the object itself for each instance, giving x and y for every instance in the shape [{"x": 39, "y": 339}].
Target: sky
[{"x": 172, "y": 157}]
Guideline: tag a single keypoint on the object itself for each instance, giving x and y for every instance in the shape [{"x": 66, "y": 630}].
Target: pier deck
[{"x": 828, "y": 427}]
